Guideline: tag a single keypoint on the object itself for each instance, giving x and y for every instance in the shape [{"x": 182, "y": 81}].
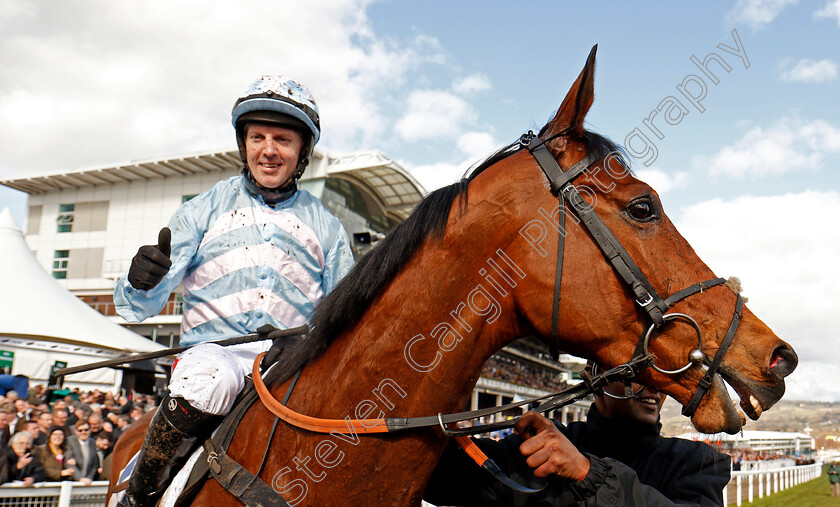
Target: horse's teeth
[{"x": 755, "y": 405}]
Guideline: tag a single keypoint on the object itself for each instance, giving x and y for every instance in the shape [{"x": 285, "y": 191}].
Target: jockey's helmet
[{"x": 280, "y": 101}]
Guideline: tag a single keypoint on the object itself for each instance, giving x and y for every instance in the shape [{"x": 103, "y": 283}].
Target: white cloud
[
  {"x": 434, "y": 114},
  {"x": 831, "y": 10},
  {"x": 786, "y": 146},
  {"x": 758, "y": 13},
  {"x": 784, "y": 257},
  {"x": 103, "y": 82},
  {"x": 661, "y": 181},
  {"x": 472, "y": 83},
  {"x": 475, "y": 147},
  {"x": 810, "y": 71},
  {"x": 434, "y": 176}
]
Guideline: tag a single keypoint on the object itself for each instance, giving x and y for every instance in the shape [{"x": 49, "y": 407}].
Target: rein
[
  {"x": 449, "y": 423},
  {"x": 549, "y": 401}
]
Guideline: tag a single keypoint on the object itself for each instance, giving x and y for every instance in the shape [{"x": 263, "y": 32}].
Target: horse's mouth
[
  {"x": 732, "y": 419},
  {"x": 732, "y": 415},
  {"x": 753, "y": 399}
]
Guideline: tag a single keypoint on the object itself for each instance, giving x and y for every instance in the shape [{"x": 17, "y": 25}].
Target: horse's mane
[{"x": 349, "y": 300}]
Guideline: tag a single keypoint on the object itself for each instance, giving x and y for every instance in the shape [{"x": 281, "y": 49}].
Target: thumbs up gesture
[{"x": 151, "y": 263}]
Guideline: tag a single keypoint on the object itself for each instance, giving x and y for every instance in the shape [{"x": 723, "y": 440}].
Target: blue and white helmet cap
[
  {"x": 282, "y": 95},
  {"x": 281, "y": 101}
]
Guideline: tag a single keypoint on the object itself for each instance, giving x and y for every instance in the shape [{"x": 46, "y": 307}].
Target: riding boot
[{"x": 175, "y": 431}]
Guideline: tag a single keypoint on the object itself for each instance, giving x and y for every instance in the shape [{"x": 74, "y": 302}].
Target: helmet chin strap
[{"x": 272, "y": 195}]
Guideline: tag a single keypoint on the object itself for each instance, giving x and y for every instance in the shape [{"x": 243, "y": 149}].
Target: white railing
[
  {"x": 63, "y": 494},
  {"x": 767, "y": 482},
  {"x": 54, "y": 494}
]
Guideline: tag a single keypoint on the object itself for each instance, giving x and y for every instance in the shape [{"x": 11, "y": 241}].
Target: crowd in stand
[
  {"x": 749, "y": 455},
  {"x": 67, "y": 439},
  {"x": 502, "y": 368}
]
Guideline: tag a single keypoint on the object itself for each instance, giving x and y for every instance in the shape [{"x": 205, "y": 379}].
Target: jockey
[{"x": 251, "y": 251}]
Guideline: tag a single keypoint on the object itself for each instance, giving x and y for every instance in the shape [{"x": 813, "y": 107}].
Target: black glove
[
  {"x": 151, "y": 263},
  {"x": 269, "y": 332}
]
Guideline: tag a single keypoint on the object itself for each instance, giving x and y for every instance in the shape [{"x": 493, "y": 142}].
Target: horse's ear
[{"x": 576, "y": 104}]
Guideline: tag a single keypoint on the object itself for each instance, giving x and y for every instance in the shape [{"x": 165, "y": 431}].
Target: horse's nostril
[{"x": 784, "y": 361}]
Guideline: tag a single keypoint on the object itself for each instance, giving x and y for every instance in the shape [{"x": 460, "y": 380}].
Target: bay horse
[{"x": 473, "y": 268}]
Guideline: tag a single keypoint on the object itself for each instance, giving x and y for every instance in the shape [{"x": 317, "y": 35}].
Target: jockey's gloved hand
[
  {"x": 151, "y": 263},
  {"x": 269, "y": 332}
]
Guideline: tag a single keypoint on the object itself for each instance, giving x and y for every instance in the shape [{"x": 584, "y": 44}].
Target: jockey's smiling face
[{"x": 272, "y": 152}]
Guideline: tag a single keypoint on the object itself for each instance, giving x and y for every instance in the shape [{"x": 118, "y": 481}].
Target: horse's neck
[{"x": 426, "y": 336}]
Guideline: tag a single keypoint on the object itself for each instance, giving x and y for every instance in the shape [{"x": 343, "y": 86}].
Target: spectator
[
  {"x": 137, "y": 412},
  {"x": 123, "y": 421},
  {"x": 58, "y": 466},
  {"x": 108, "y": 426},
  {"x": 17, "y": 462},
  {"x": 6, "y": 416},
  {"x": 104, "y": 445},
  {"x": 59, "y": 416},
  {"x": 45, "y": 422},
  {"x": 125, "y": 405},
  {"x": 31, "y": 427},
  {"x": 22, "y": 410},
  {"x": 82, "y": 448},
  {"x": 96, "y": 428},
  {"x": 36, "y": 395},
  {"x": 834, "y": 479},
  {"x": 80, "y": 413}
]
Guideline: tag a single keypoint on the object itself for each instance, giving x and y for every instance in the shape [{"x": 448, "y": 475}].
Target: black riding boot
[{"x": 177, "y": 428}]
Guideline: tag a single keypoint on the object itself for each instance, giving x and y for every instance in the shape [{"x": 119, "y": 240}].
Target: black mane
[{"x": 349, "y": 300}]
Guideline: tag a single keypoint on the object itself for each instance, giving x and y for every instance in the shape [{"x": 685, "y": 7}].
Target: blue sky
[{"x": 752, "y": 181}]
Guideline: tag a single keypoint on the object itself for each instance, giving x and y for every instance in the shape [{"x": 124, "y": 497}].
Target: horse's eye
[{"x": 641, "y": 210}]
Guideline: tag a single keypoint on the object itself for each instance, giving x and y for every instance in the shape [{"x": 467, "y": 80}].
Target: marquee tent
[{"x": 43, "y": 326}]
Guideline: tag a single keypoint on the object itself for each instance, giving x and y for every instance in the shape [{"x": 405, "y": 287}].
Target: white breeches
[{"x": 210, "y": 377}]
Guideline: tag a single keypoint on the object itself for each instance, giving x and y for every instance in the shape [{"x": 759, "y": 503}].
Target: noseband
[{"x": 562, "y": 185}]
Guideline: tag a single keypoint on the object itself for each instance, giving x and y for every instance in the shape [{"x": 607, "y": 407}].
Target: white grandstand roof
[
  {"x": 396, "y": 190},
  {"x": 127, "y": 172}
]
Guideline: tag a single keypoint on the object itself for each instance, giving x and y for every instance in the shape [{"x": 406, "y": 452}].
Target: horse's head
[{"x": 602, "y": 314}]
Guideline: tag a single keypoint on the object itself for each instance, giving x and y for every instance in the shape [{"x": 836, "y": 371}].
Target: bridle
[{"x": 562, "y": 185}]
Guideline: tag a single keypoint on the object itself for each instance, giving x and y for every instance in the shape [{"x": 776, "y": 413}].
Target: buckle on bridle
[
  {"x": 647, "y": 301},
  {"x": 526, "y": 138},
  {"x": 443, "y": 427},
  {"x": 213, "y": 462}
]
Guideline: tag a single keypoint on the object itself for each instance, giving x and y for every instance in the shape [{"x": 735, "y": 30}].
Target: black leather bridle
[
  {"x": 646, "y": 297},
  {"x": 562, "y": 185}
]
